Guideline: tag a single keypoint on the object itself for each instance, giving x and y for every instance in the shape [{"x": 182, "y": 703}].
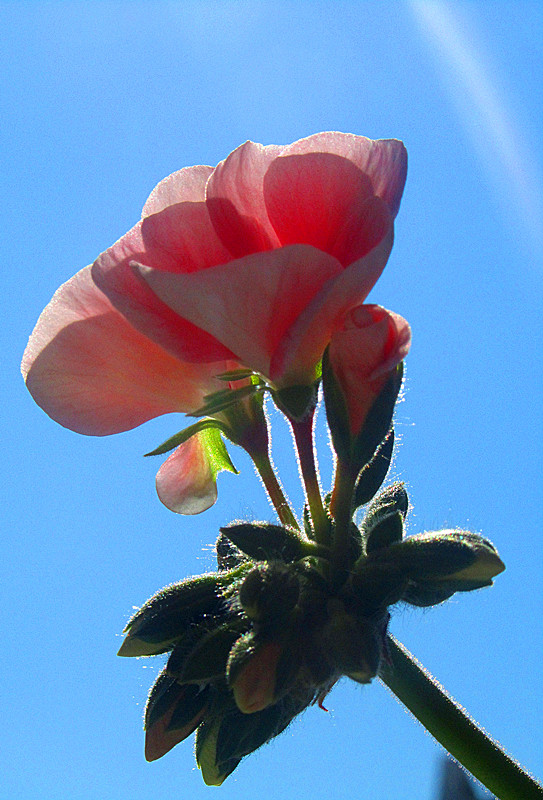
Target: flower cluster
[
  {"x": 252, "y": 645},
  {"x": 240, "y": 281}
]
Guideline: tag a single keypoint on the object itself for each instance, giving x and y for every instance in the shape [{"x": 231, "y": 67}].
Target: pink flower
[
  {"x": 255, "y": 262},
  {"x": 362, "y": 355}
]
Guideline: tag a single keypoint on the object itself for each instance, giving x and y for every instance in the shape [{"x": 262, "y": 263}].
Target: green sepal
[
  {"x": 213, "y": 773},
  {"x": 164, "y": 692},
  {"x": 207, "y": 660},
  {"x": 219, "y": 401},
  {"x": 385, "y": 532},
  {"x": 172, "y": 713},
  {"x": 426, "y": 594},
  {"x": 236, "y": 375},
  {"x": 189, "y": 709},
  {"x": 240, "y": 654},
  {"x": 392, "y": 500},
  {"x": 296, "y": 401},
  {"x": 336, "y": 411},
  {"x": 378, "y": 422},
  {"x": 165, "y": 617},
  {"x": 218, "y": 458},
  {"x": 371, "y": 477},
  {"x": 263, "y": 541},
  {"x": 184, "y": 435}
]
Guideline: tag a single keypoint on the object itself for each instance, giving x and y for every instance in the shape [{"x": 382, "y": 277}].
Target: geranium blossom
[{"x": 252, "y": 263}]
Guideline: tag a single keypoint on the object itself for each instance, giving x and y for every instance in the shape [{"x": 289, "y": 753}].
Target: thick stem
[
  {"x": 303, "y": 435},
  {"x": 454, "y": 729},
  {"x": 273, "y": 487}
]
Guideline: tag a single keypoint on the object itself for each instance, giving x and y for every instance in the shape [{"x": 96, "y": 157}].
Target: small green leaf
[
  {"x": 220, "y": 400},
  {"x": 183, "y": 436},
  {"x": 236, "y": 375}
]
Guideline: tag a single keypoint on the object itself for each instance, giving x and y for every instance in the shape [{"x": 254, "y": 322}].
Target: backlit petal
[
  {"x": 251, "y": 303},
  {"x": 95, "y": 374}
]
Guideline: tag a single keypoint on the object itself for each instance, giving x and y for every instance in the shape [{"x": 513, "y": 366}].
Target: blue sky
[{"x": 99, "y": 101}]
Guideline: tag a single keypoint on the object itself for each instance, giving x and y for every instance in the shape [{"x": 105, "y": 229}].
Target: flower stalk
[
  {"x": 453, "y": 728},
  {"x": 303, "y": 436},
  {"x": 271, "y": 483}
]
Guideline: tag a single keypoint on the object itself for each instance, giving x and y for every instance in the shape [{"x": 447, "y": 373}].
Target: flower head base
[{"x": 255, "y": 644}]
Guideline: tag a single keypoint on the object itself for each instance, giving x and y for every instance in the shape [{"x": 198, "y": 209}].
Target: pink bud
[{"x": 363, "y": 354}]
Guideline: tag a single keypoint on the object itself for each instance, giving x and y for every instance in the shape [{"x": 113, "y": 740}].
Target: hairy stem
[
  {"x": 340, "y": 509},
  {"x": 303, "y": 436},
  {"x": 273, "y": 487},
  {"x": 447, "y": 721}
]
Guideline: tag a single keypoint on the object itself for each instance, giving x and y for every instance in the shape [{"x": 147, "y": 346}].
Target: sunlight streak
[{"x": 500, "y": 144}]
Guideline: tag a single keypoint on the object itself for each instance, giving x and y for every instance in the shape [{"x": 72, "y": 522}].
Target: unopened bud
[
  {"x": 164, "y": 619},
  {"x": 269, "y": 592},
  {"x": 251, "y": 672},
  {"x": 172, "y": 713}
]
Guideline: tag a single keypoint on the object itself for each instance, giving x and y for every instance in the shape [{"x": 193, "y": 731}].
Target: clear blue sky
[{"x": 101, "y": 100}]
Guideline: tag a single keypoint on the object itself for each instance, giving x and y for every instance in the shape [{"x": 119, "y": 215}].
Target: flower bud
[
  {"x": 262, "y": 541},
  {"x": 207, "y": 659},
  {"x": 251, "y": 672},
  {"x": 361, "y": 381},
  {"x": 172, "y": 713},
  {"x": 269, "y": 593},
  {"x": 163, "y": 619},
  {"x": 213, "y": 772},
  {"x": 448, "y": 555}
]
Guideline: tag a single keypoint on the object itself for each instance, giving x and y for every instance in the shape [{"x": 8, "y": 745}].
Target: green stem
[
  {"x": 303, "y": 436},
  {"x": 273, "y": 487},
  {"x": 454, "y": 729},
  {"x": 340, "y": 509}
]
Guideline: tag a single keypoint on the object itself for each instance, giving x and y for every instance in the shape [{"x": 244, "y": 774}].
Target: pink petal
[
  {"x": 251, "y": 303},
  {"x": 236, "y": 202},
  {"x": 305, "y": 342},
  {"x": 310, "y": 197},
  {"x": 141, "y": 307},
  {"x": 95, "y": 374},
  {"x": 186, "y": 482},
  {"x": 187, "y": 185},
  {"x": 181, "y": 239},
  {"x": 384, "y": 161}
]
